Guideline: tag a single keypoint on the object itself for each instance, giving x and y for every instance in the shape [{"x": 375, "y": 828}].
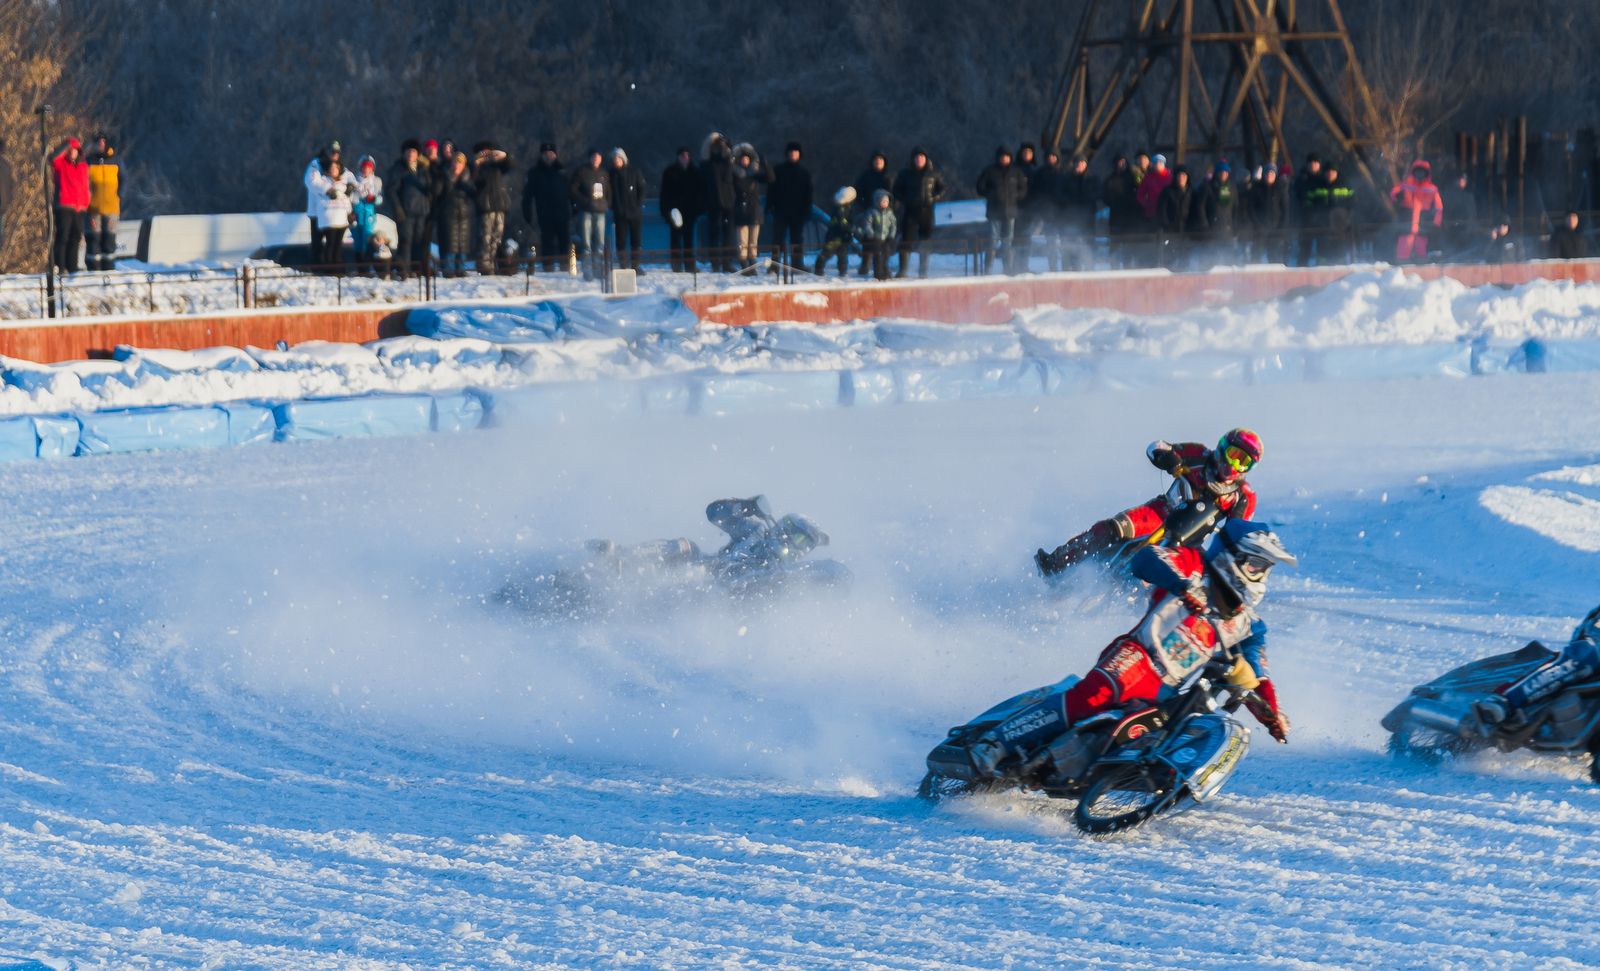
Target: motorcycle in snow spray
[
  {"x": 1125, "y": 766},
  {"x": 764, "y": 557},
  {"x": 1438, "y": 720}
]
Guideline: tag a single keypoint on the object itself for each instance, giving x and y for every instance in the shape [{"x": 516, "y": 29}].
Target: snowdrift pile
[{"x": 557, "y": 360}]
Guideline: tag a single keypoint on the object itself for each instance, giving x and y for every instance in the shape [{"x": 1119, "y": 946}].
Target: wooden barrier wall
[{"x": 967, "y": 300}]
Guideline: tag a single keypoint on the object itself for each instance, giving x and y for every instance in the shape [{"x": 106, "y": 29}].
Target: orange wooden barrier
[{"x": 967, "y": 300}]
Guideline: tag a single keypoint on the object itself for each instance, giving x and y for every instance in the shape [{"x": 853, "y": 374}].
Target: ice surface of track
[{"x": 262, "y": 712}]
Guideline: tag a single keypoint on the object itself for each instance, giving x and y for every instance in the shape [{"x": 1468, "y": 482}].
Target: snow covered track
[{"x": 262, "y": 711}]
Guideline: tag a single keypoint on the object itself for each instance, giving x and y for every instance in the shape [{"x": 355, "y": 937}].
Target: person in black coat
[
  {"x": 751, "y": 176},
  {"x": 409, "y": 190},
  {"x": 1177, "y": 215},
  {"x": 1003, "y": 187},
  {"x": 1568, "y": 242},
  {"x": 1077, "y": 199},
  {"x": 790, "y": 199},
  {"x": 872, "y": 178},
  {"x": 627, "y": 209},
  {"x": 490, "y": 166},
  {"x": 918, "y": 188},
  {"x": 717, "y": 196},
  {"x": 545, "y": 193},
  {"x": 1269, "y": 215},
  {"x": 680, "y": 193},
  {"x": 1122, "y": 203}
]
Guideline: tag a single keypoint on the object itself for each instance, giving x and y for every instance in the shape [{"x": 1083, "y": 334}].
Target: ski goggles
[{"x": 1238, "y": 459}]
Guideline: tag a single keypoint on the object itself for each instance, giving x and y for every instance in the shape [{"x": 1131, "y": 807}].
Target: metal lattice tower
[{"x": 1255, "y": 59}]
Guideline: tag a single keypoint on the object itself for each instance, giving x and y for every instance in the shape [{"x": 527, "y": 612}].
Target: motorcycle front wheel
[
  {"x": 936, "y": 788},
  {"x": 1125, "y": 797}
]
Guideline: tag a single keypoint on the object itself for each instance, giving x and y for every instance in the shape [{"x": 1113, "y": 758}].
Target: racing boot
[{"x": 1097, "y": 539}]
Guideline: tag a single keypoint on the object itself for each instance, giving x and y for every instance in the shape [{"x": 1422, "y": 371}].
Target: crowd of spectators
[{"x": 1036, "y": 207}]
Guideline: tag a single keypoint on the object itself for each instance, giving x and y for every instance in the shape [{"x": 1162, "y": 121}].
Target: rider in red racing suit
[
  {"x": 1202, "y": 602},
  {"x": 1218, "y": 473}
]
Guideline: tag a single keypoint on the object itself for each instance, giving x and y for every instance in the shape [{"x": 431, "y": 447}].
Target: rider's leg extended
[
  {"x": 1138, "y": 521},
  {"x": 1123, "y": 675},
  {"x": 1578, "y": 662}
]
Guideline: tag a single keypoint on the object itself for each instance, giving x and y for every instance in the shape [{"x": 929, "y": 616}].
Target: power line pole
[{"x": 44, "y": 179}]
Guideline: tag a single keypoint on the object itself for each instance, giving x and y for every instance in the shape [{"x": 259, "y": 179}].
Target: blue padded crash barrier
[
  {"x": 968, "y": 381},
  {"x": 151, "y": 429},
  {"x": 18, "y": 440},
  {"x": 867, "y": 386},
  {"x": 249, "y": 422},
  {"x": 58, "y": 435},
  {"x": 457, "y": 412},
  {"x": 734, "y": 394},
  {"x": 562, "y": 401},
  {"x": 372, "y": 416},
  {"x": 1390, "y": 361}
]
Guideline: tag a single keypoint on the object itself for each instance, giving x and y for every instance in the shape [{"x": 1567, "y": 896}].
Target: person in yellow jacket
[{"x": 105, "y": 205}]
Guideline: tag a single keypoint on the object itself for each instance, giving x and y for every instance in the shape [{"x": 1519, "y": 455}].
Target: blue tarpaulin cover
[
  {"x": 373, "y": 416},
  {"x": 146, "y": 429}
]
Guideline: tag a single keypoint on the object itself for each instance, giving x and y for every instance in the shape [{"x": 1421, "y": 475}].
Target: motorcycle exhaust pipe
[{"x": 1441, "y": 718}]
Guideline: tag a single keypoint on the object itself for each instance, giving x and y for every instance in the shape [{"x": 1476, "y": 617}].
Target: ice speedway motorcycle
[
  {"x": 1438, "y": 720},
  {"x": 1190, "y": 523},
  {"x": 1124, "y": 766},
  {"x": 765, "y": 556}
]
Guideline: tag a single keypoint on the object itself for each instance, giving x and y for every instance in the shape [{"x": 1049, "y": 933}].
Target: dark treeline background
[{"x": 217, "y": 104}]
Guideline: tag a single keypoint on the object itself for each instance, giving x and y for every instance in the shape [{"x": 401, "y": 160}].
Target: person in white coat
[
  {"x": 314, "y": 188},
  {"x": 335, "y": 192}
]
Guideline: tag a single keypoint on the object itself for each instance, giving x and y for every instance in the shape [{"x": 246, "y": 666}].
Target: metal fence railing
[{"x": 258, "y": 285}]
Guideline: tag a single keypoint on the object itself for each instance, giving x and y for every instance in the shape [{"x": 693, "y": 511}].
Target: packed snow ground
[
  {"x": 493, "y": 349},
  {"x": 461, "y": 786}
]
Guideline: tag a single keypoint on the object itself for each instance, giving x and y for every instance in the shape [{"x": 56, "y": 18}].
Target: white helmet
[{"x": 1243, "y": 555}]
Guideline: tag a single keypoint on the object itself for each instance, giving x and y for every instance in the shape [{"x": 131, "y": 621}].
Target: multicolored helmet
[{"x": 1238, "y": 452}]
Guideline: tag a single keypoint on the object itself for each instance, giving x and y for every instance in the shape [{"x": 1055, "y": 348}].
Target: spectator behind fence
[
  {"x": 1174, "y": 213},
  {"x": 680, "y": 207},
  {"x": 8, "y": 190},
  {"x": 367, "y": 196},
  {"x": 547, "y": 200},
  {"x": 1040, "y": 214},
  {"x": 1502, "y": 246},
  {"x": 335, "y": 192},
  {"x": 1568, "y": 242},
  {"x": 316, "y": 192},
  {"x": 1341, "y": 216},
  {"x": 790, "y": 199},
  {"x": 1310, "y": 199},
  {"x": 872, "y": 178},
  {"x": 591, "y": 197},
  {"x": 717, "y": 196},
  {"x": 69, "y": 202},
  {"x": 750, "y": 174},
  {"x": 105, "y": 205},
  {"x": 837, "y": 241},
  {"x": 453, "y": 216},
  {"x": 876, "y": 229},
  {"x": 1003, "y": 187},
  {"x": 410, "y": 197},
  {"x": 1269, "y": 215},
  {"x": 1122, "y": 203},
  {"x": 1417, "y": 195},
  {"x": 918, "y": 188},
  {"x": 1462, "y": 205},
  {"x": 1077, "y": 198},
  {"x": 628, "y": 188},
  {"x": 490, "y": 166}
]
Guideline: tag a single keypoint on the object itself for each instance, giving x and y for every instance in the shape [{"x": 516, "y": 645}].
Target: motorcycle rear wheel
[
  {"x": 1123, "y": 798},
  {"x": 1426, "y": 748}
]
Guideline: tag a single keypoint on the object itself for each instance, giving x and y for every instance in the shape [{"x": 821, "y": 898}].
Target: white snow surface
[
  {"x": 458, "y": 786},
  {"x": 1366, "y": 308}
]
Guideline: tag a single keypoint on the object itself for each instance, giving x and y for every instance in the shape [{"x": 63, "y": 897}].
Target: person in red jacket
[
  {"x": 1202, "y": 602},
  {"x": 1218, "y": 473},
  {"x": 1419, "y": 194},
  {"x": 70, "y": 203}
]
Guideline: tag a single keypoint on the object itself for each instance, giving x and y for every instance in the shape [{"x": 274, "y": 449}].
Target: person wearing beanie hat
[
  {"x": 546, "y": 202},
  {"x": 872, "y": 178},
  {"x": 680, "y": 207},
  {"x": 1077, "y": 198},
  {"x": 410, "y": 196},
  {"x": 918, "y": 188},
  {"x": 790, "y": 198},
  {"x": 1154, "y": 183},
  {"x": 1119, "y": 193},
  {"x": 366, "y": 195},
  {"x": 1269, "y": 215},
  {"x": 628, "y": 190},
  {"x": 876, "y": 229},
  {"x": 1003, "y": 187},
  {"x": 105, "y": 204}
]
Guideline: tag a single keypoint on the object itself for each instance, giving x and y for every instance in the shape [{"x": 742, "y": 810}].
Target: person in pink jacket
[
  {"x": 1150, "y": 187},
  {"x": 1419, "y": 194}
]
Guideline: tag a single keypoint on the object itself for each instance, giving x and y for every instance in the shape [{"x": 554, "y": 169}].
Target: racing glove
[
  {"x": 1194, "y": 597},
  {"x": 1163, "y": 456},
  {"x": 1264, "y": 705}
]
